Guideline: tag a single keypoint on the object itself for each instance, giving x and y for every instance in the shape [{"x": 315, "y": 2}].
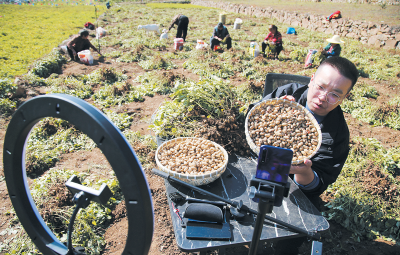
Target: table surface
[{"x": 296, "y": 209}]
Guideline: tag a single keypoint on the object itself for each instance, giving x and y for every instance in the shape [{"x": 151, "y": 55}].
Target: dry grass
[{"x": 363, "y": 12}]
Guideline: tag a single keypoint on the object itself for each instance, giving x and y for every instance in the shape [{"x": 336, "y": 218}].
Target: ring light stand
[{"x": 110, "y": 141}]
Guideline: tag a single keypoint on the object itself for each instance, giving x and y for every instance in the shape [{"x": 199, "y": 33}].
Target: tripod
[{"x": 268, "y": 194}]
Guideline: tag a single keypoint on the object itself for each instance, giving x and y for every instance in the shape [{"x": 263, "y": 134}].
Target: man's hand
[
  {"x": 288, "y": 97},
  {"x": 303, "y": 174},
  {"x": 273, "y": 43}
]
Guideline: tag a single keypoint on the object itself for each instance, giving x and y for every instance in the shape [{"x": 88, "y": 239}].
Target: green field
[
  {"x": 141, "y": 66},
  {"x": 30, "y": 32}
]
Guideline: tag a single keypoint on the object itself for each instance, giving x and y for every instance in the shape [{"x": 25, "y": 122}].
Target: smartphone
[{"x": 274, "y": 164}]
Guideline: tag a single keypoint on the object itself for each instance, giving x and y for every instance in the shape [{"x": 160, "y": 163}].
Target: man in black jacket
[
  {"x": 221, "y": 35},
  {"x": 330, "y": 84},
  {"x": 182, "y": 21}
]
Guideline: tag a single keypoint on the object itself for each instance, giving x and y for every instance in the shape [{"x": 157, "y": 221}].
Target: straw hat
[{"x": 335, "y": 39}]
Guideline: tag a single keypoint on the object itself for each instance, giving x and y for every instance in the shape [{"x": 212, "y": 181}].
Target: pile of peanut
[
  {"x": 194, "y": 156},
  {"x": 283, "y": 125}
]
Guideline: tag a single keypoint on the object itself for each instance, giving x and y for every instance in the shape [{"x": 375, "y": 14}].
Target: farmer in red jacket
[
  {"x": 79, "y": 43},
  {"x": 275, "y": 39}
]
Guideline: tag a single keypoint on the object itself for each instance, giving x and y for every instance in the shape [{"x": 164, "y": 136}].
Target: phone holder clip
[{"x": 267, "y": 194}]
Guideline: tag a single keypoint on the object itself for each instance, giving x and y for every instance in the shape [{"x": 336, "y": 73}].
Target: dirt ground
[{"x": 336, "y": 240}]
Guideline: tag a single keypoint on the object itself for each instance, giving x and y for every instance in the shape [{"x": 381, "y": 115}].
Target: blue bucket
[{"x": 290, "y": 30}]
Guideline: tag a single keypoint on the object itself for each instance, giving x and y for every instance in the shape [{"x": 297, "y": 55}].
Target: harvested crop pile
[
  {"x": 286, "y": 125},
  {"x": 192, "y": 156},
  {"x": 228, "y": 132}
]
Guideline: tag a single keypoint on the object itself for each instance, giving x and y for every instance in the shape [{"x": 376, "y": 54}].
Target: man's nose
[{"x": 322, "y": 96}]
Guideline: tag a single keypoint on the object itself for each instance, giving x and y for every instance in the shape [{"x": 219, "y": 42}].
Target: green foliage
[
  {"x": 170, "y": 121},
  {"x": 157, "y": 62},
  {"x": 211, "y": 97},
  {"x": 360, "y": 106},
  {"x": 367, "y": 213},
  {"x": 121, "y": 120},
  {"x": 48, "y": 140},
  {"x": 47, "y": 192},
  {"x": 7, "y": 106},
  {"x": 299, "y": 54},
  {"x": 34, "y": 80},
  {"x": 37, "y": 30},
  {"x": 7, "y": 88},
  {"x": 49, "y": 64},
  {"x": 113, "y": 54},
  {"x": 210, "y": 68},
  {"x": 155, "y": 82},
  {"x": 105, "y": 76},
  {"x": 70, "y": 86}
]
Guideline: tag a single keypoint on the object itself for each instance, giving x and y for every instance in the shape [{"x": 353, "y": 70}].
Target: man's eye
[
  {"x": 333, "y": 94},
  {"x": 321, "y": 88}
]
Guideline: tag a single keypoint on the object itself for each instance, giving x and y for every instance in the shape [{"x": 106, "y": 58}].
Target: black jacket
[{"x": 330, "y": 158}]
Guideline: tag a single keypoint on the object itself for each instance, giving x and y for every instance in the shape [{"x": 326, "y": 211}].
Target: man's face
[
  {"x": 85, "y": 37},
  {"x": 220, "y": 28},
  {"x": 330, "y": 81}
]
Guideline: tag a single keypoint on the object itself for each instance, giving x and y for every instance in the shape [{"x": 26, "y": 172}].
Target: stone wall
[
  {"x": 380, "y": 2},
  {"x": 378, "y": 35}
]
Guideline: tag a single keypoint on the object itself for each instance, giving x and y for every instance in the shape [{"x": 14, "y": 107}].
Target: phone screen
[{"x": 274, "y": 164}]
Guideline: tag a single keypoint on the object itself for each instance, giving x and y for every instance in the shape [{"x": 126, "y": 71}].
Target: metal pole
[{"x": 263, "y": 208}]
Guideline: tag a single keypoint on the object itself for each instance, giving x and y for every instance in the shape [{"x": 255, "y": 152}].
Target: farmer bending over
[
  {"x": 182, "y": 21},
  {"x": 330, "y": 84},
  {"x": 221, "y": 35},
  {"x": 79, "y": 43}
]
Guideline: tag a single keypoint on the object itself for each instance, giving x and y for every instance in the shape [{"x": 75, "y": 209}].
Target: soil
[{"x": 337, "y": 240}]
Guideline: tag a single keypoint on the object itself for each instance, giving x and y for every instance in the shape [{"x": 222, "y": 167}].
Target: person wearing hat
[
  {"x": 221, "y": 35},
  {"x": 79, "y": 43},
  {"x": 333, "y": 48},
  {"x": 182, "y": 22}
]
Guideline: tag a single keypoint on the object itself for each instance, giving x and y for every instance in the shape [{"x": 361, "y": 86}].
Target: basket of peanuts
[
  {"x": 196, "y": 161},
  {"x": 286, "y": 124}
]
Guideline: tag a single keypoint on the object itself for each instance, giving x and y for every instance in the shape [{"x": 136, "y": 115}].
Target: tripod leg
[{"x": 263, "y": 208}]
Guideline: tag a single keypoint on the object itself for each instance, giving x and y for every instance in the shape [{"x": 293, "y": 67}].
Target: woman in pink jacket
[{"x": 274, "y": 38}]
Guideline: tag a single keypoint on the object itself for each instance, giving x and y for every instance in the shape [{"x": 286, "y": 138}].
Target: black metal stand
[
  {"x": 267, "y": 194},
  {"x": 82, "y": 201},
  {"x": 83, "y": 196},
  {"x": 264, "y": 207}
]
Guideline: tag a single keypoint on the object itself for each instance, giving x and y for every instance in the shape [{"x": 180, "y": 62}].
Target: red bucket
[{"x": 178, "y": 43}]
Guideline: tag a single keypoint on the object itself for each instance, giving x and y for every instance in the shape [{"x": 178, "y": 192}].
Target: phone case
[{"x": 274, "y": 164}]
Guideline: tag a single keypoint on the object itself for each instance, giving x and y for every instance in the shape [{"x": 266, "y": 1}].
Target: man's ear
[{"x": 312, "y": 79}]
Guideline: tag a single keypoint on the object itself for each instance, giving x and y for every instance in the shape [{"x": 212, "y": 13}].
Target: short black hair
[
  {"x": 220, "y": 24},
  {"x": 344, "y": 66},
  {"x": 83, "y": 32}
]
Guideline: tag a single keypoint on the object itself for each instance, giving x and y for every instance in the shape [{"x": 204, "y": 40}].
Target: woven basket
[
  {"x": 196, "y": 180},
  {"x": 274, "y": 101}
]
